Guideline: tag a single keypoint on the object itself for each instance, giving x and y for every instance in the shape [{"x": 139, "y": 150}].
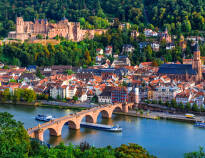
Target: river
[{"x": 165, "y": 139}]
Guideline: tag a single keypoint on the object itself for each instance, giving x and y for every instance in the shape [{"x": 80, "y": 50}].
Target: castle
[
  {"x": 185, "y": 72},
  {"x": 69, "y": 30}
]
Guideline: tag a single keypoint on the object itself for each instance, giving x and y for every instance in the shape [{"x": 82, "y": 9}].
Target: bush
[{"x": 132, "y": 151}]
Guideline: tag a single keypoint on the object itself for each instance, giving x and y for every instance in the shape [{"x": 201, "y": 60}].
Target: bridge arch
[
  {"x": 88, "y": 118},
  {"x": 104, "y": 113},
  {"x": 117, "y": 109},
  {"x": 52, "y": 132},
  {"x": 72, "y": 124}
]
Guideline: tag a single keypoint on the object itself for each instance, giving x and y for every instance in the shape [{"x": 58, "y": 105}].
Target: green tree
[
  {"x": 132, "y": 151},
  {"x": 16, "y": 96},
  {"x": 69, "y": 72},
  {"x": 160, "y": 102},
  {"x": 95, "y": 99},
  {"x": 174, "y": 103},
  {"x": 14, "y": 140},
  {"x": 167, "y": 103},
  {"x": 87, "y": 57},
  {"x": 39, "y": 36},
  {"x": 202, "y": 108},
  {"x": 75, "y": 98},
  {"x": 187, "y": 26},
  {"x": 39, "y": 74},
  {"x": 6, "y": 95},
  {"x": 181, "y": 106},
  {"x": 188, "y": 106},
  {"x": 29, "y": 95},
  {"x": 196, "y": 154},
  {"x": 195, "y": 107}
]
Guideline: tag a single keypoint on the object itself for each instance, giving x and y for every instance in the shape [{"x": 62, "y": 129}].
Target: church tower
[
  {"x": 19, "y": 25},
  {"x": 196, "y": 64}
]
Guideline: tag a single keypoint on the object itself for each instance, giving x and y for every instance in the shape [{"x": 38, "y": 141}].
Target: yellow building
[{"x": 150, "y": 94}]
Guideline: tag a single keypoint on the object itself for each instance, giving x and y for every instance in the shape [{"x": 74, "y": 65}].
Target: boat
[
  {"x": 44, "y": 118},
  {"x": 200, "y": 123},
  {"x": 101, "y": 127},
  {"x": 192, "y": 116}
]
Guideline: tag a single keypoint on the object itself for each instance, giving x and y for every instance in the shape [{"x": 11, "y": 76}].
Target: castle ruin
[{"x": 69, "y": 30}]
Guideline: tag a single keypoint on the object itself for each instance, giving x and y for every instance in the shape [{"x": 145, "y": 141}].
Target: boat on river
[
  {"x": 200, "y": 124},
  {"x": 101, "y": 127},
  {"x": 44, "y": 118}
]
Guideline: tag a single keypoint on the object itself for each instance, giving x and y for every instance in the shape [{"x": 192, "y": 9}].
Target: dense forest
[{"x": 177, "y": 15}]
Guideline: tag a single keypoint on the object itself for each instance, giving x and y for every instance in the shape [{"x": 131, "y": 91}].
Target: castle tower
[
  {"x": 76, "y": 31},
  {"x": 196, "y": 64},
  {"x": 166, "y": 31},
  {"x": 19, "y": 25}
]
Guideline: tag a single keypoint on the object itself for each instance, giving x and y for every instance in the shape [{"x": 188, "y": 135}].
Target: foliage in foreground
[
  {"x": 15, "y": 143},
  {"x": 196, "y": 154},
  {"x": 14, "y": 140}
]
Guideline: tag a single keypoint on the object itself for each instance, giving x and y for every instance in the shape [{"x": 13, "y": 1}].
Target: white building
[{"x": 165, "y": 93}]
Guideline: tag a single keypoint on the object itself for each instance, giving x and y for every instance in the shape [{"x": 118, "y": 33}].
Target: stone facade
[
  {"x": 64, "y": 28},
  {"x": 165, "y": 93}
]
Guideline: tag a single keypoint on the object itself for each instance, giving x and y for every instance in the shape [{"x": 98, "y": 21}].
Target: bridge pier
[
  {"x": 39, "y": 134},
  {"x": 125, "y": 108}
]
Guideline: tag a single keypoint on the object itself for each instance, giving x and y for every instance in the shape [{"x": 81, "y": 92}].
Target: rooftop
[{"x": 176, "y": 69}]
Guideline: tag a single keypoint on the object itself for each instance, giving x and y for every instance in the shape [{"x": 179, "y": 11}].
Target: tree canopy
[{"x": 14, "y": 140}]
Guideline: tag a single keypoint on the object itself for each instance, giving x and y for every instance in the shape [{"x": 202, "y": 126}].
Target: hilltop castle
[{"x": 64, "y": 28}]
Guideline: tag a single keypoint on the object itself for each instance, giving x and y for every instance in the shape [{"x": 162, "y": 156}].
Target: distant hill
[{"x": 177, "y": 15}]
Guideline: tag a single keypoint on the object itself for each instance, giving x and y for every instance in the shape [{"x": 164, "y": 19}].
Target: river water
[{"x": 162, "y": 138}]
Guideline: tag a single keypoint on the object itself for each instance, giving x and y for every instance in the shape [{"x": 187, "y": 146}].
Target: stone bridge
[{"x": 74, "y": 120}]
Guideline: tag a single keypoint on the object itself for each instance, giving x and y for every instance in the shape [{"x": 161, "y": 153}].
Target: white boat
[{"x": 45, "y": 118}]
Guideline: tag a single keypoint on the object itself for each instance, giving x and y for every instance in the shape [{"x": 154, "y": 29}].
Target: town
[
  {"x": 102, "y": 78},
  {"x": 109, "y": 82}
]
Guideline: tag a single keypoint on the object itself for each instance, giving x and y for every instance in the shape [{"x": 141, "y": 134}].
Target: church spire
[
  {"x": 196, "y": 63},
  {"x": 196, "y": 47}
]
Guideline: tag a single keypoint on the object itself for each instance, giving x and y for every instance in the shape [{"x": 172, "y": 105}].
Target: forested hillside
[
  {"x": 177, "y": 15},
  {"x": 89, "y": 12}
]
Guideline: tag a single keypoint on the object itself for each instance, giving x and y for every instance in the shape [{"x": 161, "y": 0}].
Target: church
[{"x": 185, "y": 72}]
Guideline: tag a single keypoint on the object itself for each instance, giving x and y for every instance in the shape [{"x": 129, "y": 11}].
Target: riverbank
[
  {"x": 63, "y": 107},
  {"x": 40, "y": 104},
  {"x": 156, "y": 117},
  {"x": 21, "y": 103}
]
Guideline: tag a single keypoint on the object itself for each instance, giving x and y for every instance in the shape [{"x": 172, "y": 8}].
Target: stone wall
[{"x": 69, "y": 30}]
